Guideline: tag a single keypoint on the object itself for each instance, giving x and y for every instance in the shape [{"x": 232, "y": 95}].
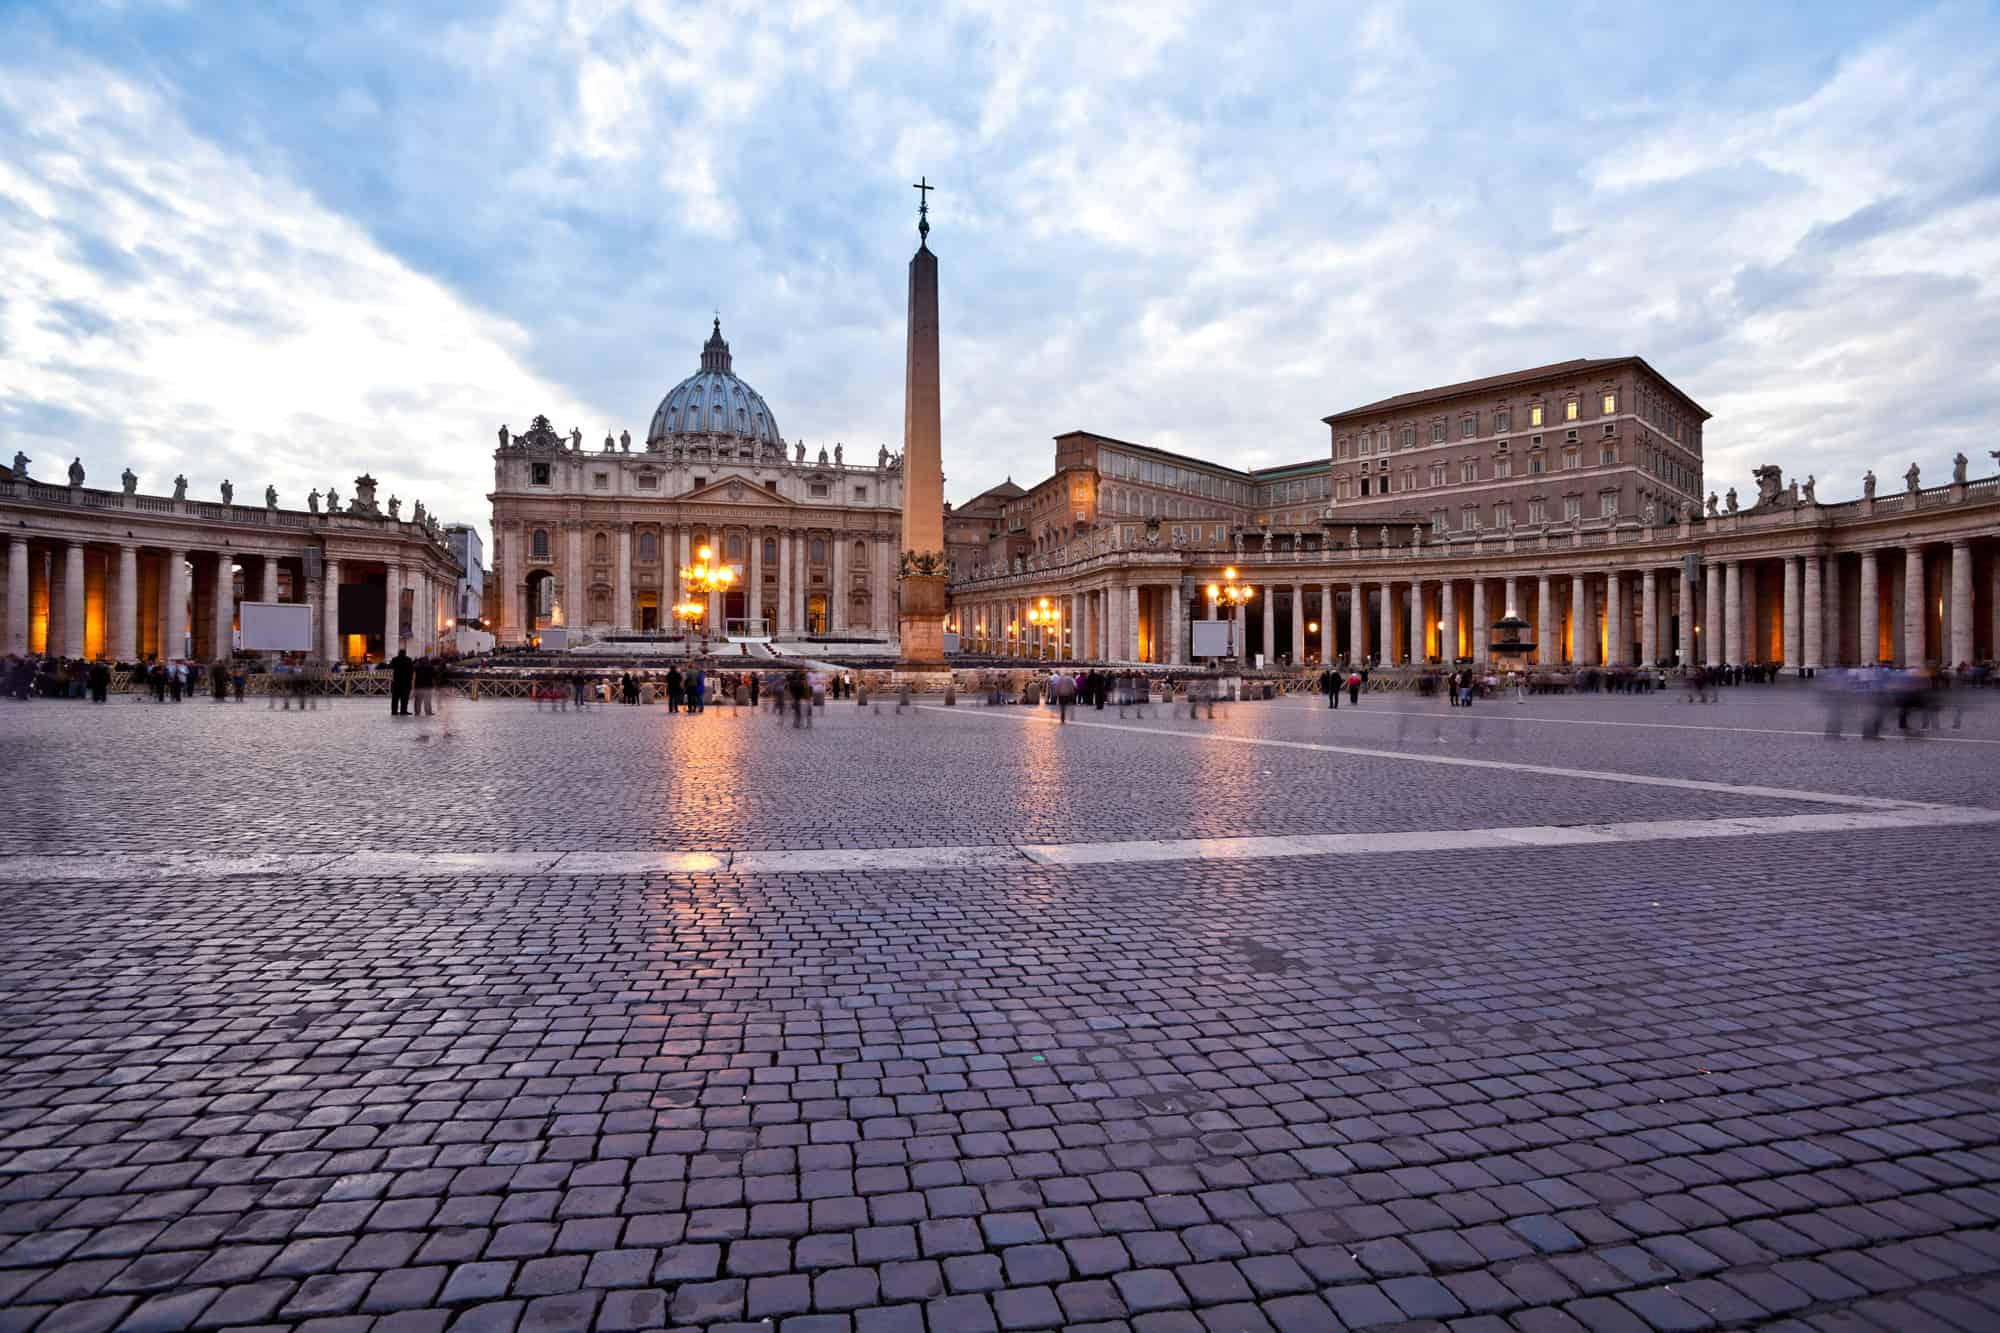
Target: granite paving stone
[{"x": 1689, "y": 1082}]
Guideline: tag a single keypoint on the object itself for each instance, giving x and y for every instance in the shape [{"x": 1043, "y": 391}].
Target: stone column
[
  {"x": 1448, "y": 622},
  {"x": 1871, "y": 610},
  {"x": 1513, "y": 607},
  {"x": 1357, "y": 621},
  {"x": 1961, "y": 603},
  {"x": 1132, "y": 612},
  {"x": 784, "y": 625},
  {"x": 1385, "y": 640},
  {"x": 1481, "y": 627},
  {"x": 1812, "y": 651},
  {"x": 1714, "y": 623},
  {"x": 1614, "y": 618},
  {"x": 1753, "y": 646},
  {"x": 72, "y": 636},
  {"x": 17, "y": 595},
  {"x": 1419, "y": 636},
  {"x": 574, "y": 614},
  {"x": 836, "y": 601},
  {"x": 392, "y": 633},
  {"x": 1794, "y": 622},
  {"x": 329, "y": 616},
  {"x": 1547, "y": 627},
  {"x": 621, "y": 582},
  {"x": 1684, "y": 586},
  {"x": 1177, "y": 625},
  {"x": 1298, "y": 623},
  {"x": 1268, "y": 595},
  {"x": 269, "y": 591},
  {"x": 174, "y": 616},
  {"x": 124, "y": 646},
  {"x": 1240, "y": 616},
  {"x": 1649, "y": 618},
  {"x": 225, "y": 604},
  {"x": 1577, "y": 635},
  {"x": 1915, "y": 651},
  {"x": 1830, "y": 617},
  {"x": 1732, "y": 612}
]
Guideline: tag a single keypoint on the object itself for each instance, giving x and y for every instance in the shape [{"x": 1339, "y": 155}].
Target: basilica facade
[{"x": 595, "y": 538}]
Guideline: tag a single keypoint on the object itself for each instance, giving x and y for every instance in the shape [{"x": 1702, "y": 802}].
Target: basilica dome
[{"x": 712, "y": 406}]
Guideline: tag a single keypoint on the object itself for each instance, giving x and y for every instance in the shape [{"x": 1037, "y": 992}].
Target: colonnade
[
  {"x": 1908, "y": 605},
  {"x": 130, "y": 601}
]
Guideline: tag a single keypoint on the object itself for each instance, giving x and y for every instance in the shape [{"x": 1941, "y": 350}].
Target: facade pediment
[{"x": 738, "y": 491}]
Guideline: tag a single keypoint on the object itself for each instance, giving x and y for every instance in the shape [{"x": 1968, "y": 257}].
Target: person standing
[
  {"x": 697, "y": 690},
  {"x": 423, "y": 677},
  {"x": 673, "y": 689},
  {"x": 402, "y": 675}
]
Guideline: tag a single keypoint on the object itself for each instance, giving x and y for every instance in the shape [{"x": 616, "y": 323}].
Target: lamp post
[
  {"x": 1045, "y": 612},
  {"x": 1232, "y": 594},
  {"x": 702, "y": 579}
]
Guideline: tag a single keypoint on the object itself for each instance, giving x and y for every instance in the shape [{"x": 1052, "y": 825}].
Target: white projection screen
[{"x": 274, "y": 627}]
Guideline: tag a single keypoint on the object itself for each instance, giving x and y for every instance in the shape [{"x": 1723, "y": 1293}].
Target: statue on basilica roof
[
  {"x": 503, "y": 435},
  {"x": 21, "y": 462},
  {"x": 270, "y": 497},
  {"x": 76, "y": 471},
  {"x": 228, "y": 492},
  {"x": 180, "y": 488},
  {"x": 312, "y": 500},
  {"x": 130, "y": 480}
]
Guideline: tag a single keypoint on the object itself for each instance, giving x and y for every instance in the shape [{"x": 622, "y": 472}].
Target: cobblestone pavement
[{"x": 1701, "y": 1081}]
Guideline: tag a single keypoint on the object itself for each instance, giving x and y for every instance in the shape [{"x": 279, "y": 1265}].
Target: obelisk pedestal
[{"x": 921, "y": 608}]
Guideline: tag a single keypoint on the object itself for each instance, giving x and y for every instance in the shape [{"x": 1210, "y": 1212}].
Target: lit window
[
  {"x": 1535, "y": 415},
  {"x": 1570, "y": 409},
  {"x": 1610, "y": 403}
]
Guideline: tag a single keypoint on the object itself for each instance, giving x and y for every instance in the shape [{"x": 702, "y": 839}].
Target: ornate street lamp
[
  {"x": 1235, "y": 596},
  {"x": 703, "y": 579},
  {"x": 1045, "y": 612}
]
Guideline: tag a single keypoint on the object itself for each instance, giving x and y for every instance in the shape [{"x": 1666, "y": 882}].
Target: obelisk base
[{"x": 921, "y": 622}]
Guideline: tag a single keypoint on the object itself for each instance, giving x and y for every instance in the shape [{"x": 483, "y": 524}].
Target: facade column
[
  {"x": 1547, "y": 628},
  {"x": 125, "y": 616},
  {"x": 1830, "y": 617},
  {"x": 1961, "y": 603},
  {"x": 225, "y": 605},
  {"x": 621, "y": 582},
  {"x": 1649, "y": 618},
  {"x": 1239, "y": 616},
  {"x": 1513, "y": 589},
  {"x": 1357, "y": 621},
  {"x": 1579, "y": 621},
  {"x": 392, "y": 622},
  {"x": 174, "y": 618},
  {"x": 1794, "y": 622},
  {"x": 836, "y": 597},
  {"x": 1385, "y": 639},
  {"x": 330, "y": 608},
  {"x": 1481, "y": 626},
  {"x": 1614, "y": 618},
  {"x": 575, "y": 614},
  {"x": 270, "y": 590},
  {"x": 72, "y": 638},
  {"x": 1714, "y": 623},
  {"x": 17, "y": 596},
  {"x": 1753, "y": 639},
  {"x": 1299, "y": 623},
  {"x": 1268, "y": 593},
  {"x": 1915, "y": 651},
  {"x": 1812, "y": 652},
  {"x": 1448, "y": 623},
  {"x": 1871, "y": 610},
  {"x": 1419, "y": 638},
  {"x": 1684, "y": 647},
  {"x": 1732, "y": 611},
  {"x": 1177, "y": 625},
  {"x": 1132, "y": 610},
  {"x": 784, "y": 625}
]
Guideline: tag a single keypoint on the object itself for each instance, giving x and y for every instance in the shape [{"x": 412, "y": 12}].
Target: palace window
[
  {"x": 1536, "y": 465},
  {"x": 1573, "y": 508},
  {"x": 1571, "y": 408},
  {"x": 1503, "y": 467},
  {"x": 1468, "y": 427},
  {"x": 1437, "y": 474},
  {"x": 538, "y": 544},
  {"x": 1538, "y": 511},
  {"x": 735, "y": 546},
  {"x": 1367, "y": 446},
  {"x": 1503, "y": 420},
  {"x": 1469, "y": 470},
  {"x": 1382, "y": 441},
  {"x": 1469, "y": 519},
  {"x": 1535, "y": 415},
  {"x": 1608, "y": 454},
  {"x": 818, "y": 552},
  {"x": 1607, "y": 505},
  {"x": 770, "y": 551},
  {"x": 1438, "y": 521},
  {"x": 1339, "y": 450},
  {"x": 1409, "y": 437},
  {"x": 1572, "y": 458},
  {"x": 1437, "y": 432},
  {"x": 1610, "y": 403},
  {"x": 649, "y": 547},
  {"x": 1503, "y": 516}
]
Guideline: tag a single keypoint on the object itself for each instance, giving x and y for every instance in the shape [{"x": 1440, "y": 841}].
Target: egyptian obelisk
[{"x": 922, "y": 592}]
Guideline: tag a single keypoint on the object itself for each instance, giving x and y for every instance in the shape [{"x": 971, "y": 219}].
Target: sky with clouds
[{"x": 286, "y": 243}]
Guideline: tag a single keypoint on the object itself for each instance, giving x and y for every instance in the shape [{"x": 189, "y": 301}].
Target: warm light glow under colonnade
[{"x": 1903, "y": 605}]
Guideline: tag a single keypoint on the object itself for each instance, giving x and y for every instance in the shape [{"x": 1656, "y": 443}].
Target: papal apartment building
[{"x": 1573, "y": 494}]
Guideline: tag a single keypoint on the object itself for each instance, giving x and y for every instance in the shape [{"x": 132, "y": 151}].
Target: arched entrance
[{"x": 538, "y": 601}]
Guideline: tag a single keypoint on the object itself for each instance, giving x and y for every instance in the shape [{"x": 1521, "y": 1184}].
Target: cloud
[{"x": 166, "y": 305}]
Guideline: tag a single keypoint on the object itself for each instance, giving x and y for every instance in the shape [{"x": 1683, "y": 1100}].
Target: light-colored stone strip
[
  {"x": 19, "y": 870},
  {"x": 1455, "y": 761}
]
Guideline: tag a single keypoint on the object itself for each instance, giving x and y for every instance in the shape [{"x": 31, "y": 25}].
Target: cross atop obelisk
[
  {"x": 921, "y": 595},
  {"x": 923, "y": 187}
]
